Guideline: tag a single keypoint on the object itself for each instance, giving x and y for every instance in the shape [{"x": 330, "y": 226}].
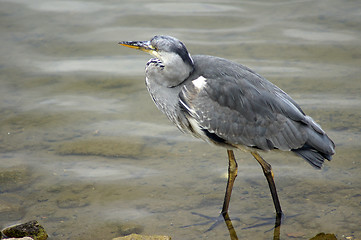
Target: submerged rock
[
  {"x": 143, "y": 237},
  {"x": 30, "y": 229},
  {"x": 100, "y": 146},
  {"x": 71, "y": 202},
  {"x": 14, "y": 178},
  {"x": 129, "y": 228}
]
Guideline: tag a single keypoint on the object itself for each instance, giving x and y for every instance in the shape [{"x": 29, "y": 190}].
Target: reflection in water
[
  {"x": 232, "y": 231},
  {"x": 233, "y": 234}
]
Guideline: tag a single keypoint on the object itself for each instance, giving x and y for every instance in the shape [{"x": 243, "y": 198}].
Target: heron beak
[{"x": 140, "y": 45}]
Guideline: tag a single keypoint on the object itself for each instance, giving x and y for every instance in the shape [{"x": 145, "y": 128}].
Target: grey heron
[{"x": 230, "y": 105}]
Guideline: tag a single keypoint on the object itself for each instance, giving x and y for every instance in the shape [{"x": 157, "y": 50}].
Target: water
[{"x": 85, "y": 152}]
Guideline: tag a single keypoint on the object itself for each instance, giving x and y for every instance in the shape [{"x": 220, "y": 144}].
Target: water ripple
[{"x": 318, "y": 36}]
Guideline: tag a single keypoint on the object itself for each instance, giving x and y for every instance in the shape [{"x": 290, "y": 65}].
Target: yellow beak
[{"x": 140, "y": 45}]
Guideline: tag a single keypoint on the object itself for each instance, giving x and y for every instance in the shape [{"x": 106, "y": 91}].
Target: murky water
[{"x": 84, "y": 151}]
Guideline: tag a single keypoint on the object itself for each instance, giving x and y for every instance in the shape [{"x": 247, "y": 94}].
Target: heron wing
[{"x": 244, "y": 109}]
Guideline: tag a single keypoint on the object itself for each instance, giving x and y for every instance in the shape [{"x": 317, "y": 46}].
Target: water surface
[{"x": 84, "y": 151}]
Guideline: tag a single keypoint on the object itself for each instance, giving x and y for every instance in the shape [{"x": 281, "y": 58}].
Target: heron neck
[{"x": 169, "y": 74}]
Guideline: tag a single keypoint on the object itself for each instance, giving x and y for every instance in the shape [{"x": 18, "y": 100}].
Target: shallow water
[{"x": 84, "y": 151}]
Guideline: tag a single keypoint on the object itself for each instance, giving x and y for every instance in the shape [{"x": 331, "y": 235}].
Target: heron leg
[
  {"x": 267, "y": 170},
  {"x": 232, "y": 174},
  {"x": 232, "y": 231}
]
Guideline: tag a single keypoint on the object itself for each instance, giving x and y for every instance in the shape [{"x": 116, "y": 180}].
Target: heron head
[{"x": 165, "y": 48}]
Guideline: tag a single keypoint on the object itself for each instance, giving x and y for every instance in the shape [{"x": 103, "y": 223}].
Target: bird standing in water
[{"x": 229, "y": 105}]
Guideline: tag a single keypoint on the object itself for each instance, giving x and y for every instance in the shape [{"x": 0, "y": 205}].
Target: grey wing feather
[
  {"x": 242, "y": 114},
  {"x": 236, "y": 106}
]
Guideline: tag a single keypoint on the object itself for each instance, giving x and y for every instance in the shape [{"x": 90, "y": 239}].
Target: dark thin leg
[
  {"x": 232, "y": 174},
  {"x": 277, "y": 230},
  {"x": 232, "y": 232},
  {"x": 267, "y": 170}
]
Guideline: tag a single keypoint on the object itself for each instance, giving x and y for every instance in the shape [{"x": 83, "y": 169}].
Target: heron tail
[
  {"x": 317, "y": 148},
  {"x": 313, "y": 157}
]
